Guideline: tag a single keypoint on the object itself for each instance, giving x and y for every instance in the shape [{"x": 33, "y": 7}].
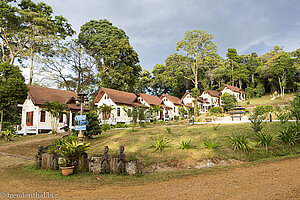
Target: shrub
[
  {"x": 264, "y": 139},
  {"x": 216, "y": 110},
  {"x": 209, "y": 144},
  {"x": 228, "y": 101},
  {"x": 257, "y": 122},
  {"x": 240, "y": 142},
  {"x": 106, "y": 127},
  {"x": 9, "y": 134},
  {"x": 259, "y": 90},
  {"x": 160, "y": 143},
  {"x": 72, "y": 150},
  {"x": 93, "y": 127},
  {"x": 289, "y": 135},
  {"x": 185, "y": 145},
  {"x": 121, "y": 125},
  {"x": 176, "y": 118},
  {"x": 169, "y": 130}
]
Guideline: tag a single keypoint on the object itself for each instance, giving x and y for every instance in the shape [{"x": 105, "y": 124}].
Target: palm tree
[{"x": 106, "y": 111}]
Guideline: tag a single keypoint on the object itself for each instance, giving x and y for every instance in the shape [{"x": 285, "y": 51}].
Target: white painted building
[
  {"x": 35, "y": 120},
  {"x": 237, "y": 92},
  {"x": 117, "y": 100},
  {"x": 171, "y": 106},
  {"x": 151, "y": 101},
  {"x": 212, "y": 99},
  {"x": 189, "y": 101}
]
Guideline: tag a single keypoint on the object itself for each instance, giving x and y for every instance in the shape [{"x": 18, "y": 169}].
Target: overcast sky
[{"x": 155, "y": 26}]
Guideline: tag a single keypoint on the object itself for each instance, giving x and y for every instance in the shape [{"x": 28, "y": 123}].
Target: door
[{"x": 29, "y": 118}]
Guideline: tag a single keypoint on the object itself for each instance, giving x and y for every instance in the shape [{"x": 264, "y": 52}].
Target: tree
[
  {"x": 106, "y": 110},
  {"x": 70, "y": 67},
  {"x": 195, "y": 93},
  {"x": 93, "y": 127},
  {"x": 56, "y": 111},
  {"x": 200, "y": 48},
  {"x": 171, "y": 77},
  {"x": 233, "y": 59},
  {"x": 228, "y": 101},
  {"x": 143, "y": 82},
  {"x": 116, "y": 60},
  {"x": 12, "y": 89},
  {"x": 132, "y": 113}
]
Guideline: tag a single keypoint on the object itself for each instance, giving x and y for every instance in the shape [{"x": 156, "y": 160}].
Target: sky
[{"x": 155, "y": 26}]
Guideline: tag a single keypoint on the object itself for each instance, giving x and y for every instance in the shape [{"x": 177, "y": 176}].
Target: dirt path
[{"x": 271, "y": 180}]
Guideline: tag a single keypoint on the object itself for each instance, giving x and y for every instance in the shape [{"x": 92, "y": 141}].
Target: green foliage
[
  {"x": 261, "y": 110},
  {"x": 215, "y": 127},
  {"x": 282, "y": 114},
  {"x": 64, "y": 163},
  {"x": 209, "y": 144},
  {"x": 71, "y": 150},
  {"x": 185, "y": 145},
  {"x": 228, "y": 101},
  {"x": 12, "y": 91},
  {"x": 182, "y": 111},
  {"x": 264, "y": 139},
  {"x": 290, "y": 134},
  {"x": 295, "y": 107},
  {"x": 117, "y": 62},
  {"x": 160, "y": 143},
  {"x": 259, "y": 90},
  {"x": 93, "y": 127},
  {"x": 121, "y": 125},
  {"x": 216, "y": 110},
  {"x": 8, "y": 135},
  {"x": 257, "y": 122},
  {"x": 106, "y": 127},
  {"x": 240, "y": 142}
]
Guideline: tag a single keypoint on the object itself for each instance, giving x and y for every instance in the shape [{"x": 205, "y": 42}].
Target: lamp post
[{"x": 81, "y": 99}]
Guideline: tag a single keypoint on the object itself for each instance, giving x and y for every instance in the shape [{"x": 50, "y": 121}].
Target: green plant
[
  {"x": 216, "y": 110},
  {"x": 93, "y": 127},
  {"x": 160, "y": 143},
  {"x": 229, "y": 101},
  {"x": 71, "y": 150},
  {"x": 106, "y": 127},
  {"x": 176, "y": 118},
  {"x": 240, "y": 142},
  {"x": 185, "y": 145},
  {"x": 64, "y": 163},
  {"x": 264, "y": 139},
  {"x": 289, "y": 135},
  {"x": 121, "y": 125},
  {"x": 9, "y": 134},
  {"x": 257, "y": 122},
  {"x": 169, "y": 130},
  {"x": 209, "y": 144}
]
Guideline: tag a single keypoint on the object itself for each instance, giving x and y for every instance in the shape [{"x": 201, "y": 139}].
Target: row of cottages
[
  {"x": 233, "y": 90},
  {"x": 35, "y": 120},
  {"x": 117, "y": 99}
]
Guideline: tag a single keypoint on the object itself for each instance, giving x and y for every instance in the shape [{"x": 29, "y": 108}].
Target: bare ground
[{"x": 268, "y": 180}]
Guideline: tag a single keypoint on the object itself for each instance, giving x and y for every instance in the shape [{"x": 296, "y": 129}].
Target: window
[
  {"x": 43, "y": 116},
  {"x": 118, "y": 112},
  {"x": 61, "y": 118},
  {"x": 29, "y": 118}
]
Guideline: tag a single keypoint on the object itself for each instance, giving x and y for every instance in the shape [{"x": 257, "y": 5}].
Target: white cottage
[
  {"x": 35, "y": 120},
  {"x": 171, "y": 106},
  {"x": 188, "y": 101},
  {"x": 212, "y": 99},
  {"x": 151, "y": 101},
  {"x": 117, "y": 99},
  {"x": 237, "y": 92}
]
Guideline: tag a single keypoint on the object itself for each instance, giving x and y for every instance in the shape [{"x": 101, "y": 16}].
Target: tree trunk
[
  {"x": 240, "y": 83},
  {"x": 253, "y": 78},
  {"x": 1, "y": 120},
  {"x": 31, "y": 67},
  {"x": 232, "y": 73}
]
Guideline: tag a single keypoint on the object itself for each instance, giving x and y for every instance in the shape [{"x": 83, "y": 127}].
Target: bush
[
  {"x": 106, "y": 127},
  {"x": 209, "y": 144},
  {"x": 259, "y": 90},
  {"x": 9, "y": 134},
  {"x": 261, "y": 110},
  {"x": 160, "y": 143},
  {"x": 93, "y": 127},
  {"x": 72, "y": 150},
  {"x": 240, "y": 142},
  {"x": 264, "y": 139},
  {"x": 289, "y": 135},
  {"x": 257, "y": 122},
  {"x": 176, "y": 118},
  {"x": 228, "y": 101},
  {"x": 169, "y": 130},
  {"x": 185, "y": 145},
  {"x": 121, "y": 125},
  {"x": 216, "y": 110}
]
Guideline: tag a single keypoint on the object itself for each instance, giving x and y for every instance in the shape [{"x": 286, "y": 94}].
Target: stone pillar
[{"x": 83, "y": 163}]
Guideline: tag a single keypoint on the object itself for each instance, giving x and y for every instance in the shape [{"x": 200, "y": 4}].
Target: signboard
[
  {"x": 80, "y": 117},
  {"x": 83, "y": 122},
  {"x": 80, "y": 127}
]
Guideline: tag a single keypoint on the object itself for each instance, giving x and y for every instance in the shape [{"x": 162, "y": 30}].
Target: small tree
[
  {"x": 93, "y": 127},
  {"x": 132, "y": 113},
  {"x": 56, "y": 110},
  {"x": 228, "y": 101},
  {"x": 195, "y": 93},
  {"x": 105, "y": 110}
]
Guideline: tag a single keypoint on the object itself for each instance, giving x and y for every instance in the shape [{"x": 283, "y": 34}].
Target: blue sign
[
  {"x": 83, "y": 122},
  {"x": 80, "y": 117},
  {"x": 80, "y": 127}
]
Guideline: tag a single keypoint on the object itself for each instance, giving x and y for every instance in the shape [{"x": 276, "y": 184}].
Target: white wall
[{"x": 236, "y": 94}]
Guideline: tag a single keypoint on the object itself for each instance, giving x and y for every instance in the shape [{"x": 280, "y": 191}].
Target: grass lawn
[{"x": 266, "y": 100}]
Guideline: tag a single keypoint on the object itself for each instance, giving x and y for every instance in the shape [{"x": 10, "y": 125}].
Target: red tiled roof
[
  {"x": 233, "y": 88},
  {"x": 174, "y": 100},
  {"x": 40, "y": 95},
  {"x": 213, "y": 93},
  {"x": 152, "y": 100},
  {"x": 184, "y": 96}
]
